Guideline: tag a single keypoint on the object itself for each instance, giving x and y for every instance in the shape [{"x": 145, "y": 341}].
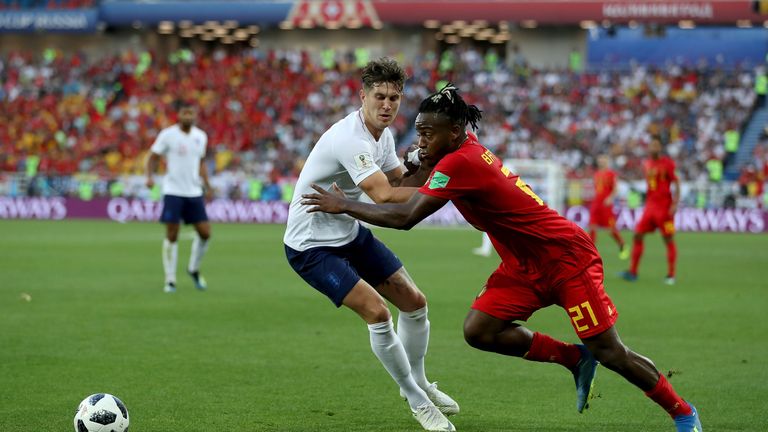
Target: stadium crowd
[
  {"x": 45, "y": 4},
  {"x": 263, "y": 109}
]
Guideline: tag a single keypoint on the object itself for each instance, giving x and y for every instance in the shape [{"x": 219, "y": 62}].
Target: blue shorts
[
  {"x": 190, "y": 209},
  {"x": 335, "y": 270}
]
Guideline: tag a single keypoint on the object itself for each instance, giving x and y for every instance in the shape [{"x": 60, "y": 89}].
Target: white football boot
[
  {"x": 431, "y": 419},
  {"x": 442, "y": 401}
]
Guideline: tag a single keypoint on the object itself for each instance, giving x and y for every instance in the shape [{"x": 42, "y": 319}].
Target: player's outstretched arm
[
  {"x": 378, "y": 187},
  {"x": 400, "y": 216}
]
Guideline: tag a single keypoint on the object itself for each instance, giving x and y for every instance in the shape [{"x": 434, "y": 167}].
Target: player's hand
[
  {"x": 150, "y": 183},
  {"x": 325, "y": 201},
  {"x": 208, "y": 194},
  {"x": 411, "y": 160},
  {"x": 673, "y": 209}
]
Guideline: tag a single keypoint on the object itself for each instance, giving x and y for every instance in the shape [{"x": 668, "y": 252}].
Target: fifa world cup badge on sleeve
[
  {"x": 363, "y": 160},
  {"x": 439, "y": 180}
]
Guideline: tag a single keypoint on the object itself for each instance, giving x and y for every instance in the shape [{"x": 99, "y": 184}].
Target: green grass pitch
[{"x": 262, "y": 351}]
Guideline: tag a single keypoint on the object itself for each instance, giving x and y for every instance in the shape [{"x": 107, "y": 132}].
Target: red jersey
[
  {"x": 532, "y": 239},
  {"x": 605, "y": 183},
  {"x": 659, "y": 174}
]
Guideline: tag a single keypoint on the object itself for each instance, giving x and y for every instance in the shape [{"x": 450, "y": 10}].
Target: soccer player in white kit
[
  {"x": 344, "y": 261},
  {"x": 183, "y": 145}
]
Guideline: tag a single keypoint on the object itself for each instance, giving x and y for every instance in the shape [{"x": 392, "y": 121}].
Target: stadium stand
[
  {"x": 264, "y": 109},
  {"x": 46, "y": 4}
]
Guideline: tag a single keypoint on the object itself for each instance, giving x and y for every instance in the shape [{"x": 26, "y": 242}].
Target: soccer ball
[{"x": 101, "y": 412}]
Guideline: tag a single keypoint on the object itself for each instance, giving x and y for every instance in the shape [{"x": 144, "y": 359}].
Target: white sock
[
  {"x": 487, "y": 245},
  {"x": 413, "y": 329},
  {"x": 170, "y": 256},
  {"x": 387, "y": 346},
  {"x": 199, "y": 247}
]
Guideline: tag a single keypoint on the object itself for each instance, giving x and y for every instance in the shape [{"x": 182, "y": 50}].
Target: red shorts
[
  {"x": 656, "y": 217},
  {"x": 601, "y": 215},
  {"x": 510, "y": 297}
]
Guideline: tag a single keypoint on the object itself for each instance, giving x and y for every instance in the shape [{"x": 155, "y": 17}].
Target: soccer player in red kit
[
  {"x": 546, "y": 259},
  {"x": 659, "y": 212},
  {"x": 601, "y": 210}
]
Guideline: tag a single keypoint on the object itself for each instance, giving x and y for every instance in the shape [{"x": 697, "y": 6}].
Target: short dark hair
[
  {"x": 183, "y": 104},
  {"x": 383, "y": 70},
  {"x": 449, "y": 102}
]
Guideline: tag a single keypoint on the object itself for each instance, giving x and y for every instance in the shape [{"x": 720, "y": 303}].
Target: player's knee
[
  {"x": 376, "y": 312},
  {"x": 203, "y": 231},
  {"x": 476, "y": 336},
  {"x": 418, "y": 300}
]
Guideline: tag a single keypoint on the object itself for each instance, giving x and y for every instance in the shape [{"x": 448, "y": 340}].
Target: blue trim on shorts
[
  {"x": 334, "y": 271},
  {"x": 189, "y": 209}
]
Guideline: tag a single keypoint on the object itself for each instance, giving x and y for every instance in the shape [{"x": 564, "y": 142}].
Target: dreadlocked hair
[{"x": 449, "y": 102}]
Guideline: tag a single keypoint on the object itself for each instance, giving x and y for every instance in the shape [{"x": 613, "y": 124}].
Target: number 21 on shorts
[{"x": 577, "y": 316}]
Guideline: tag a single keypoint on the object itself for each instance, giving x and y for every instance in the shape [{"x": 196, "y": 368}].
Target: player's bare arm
[
  {"x": 411, "y": 179},
  {"x": 675, "y": 197},
  {"x": 378, "y": 187},
  {"x": 400, "y": 216},
  {"x": 395, "y": 176},
  {"x": 208, "y": 190},
  {"x": 153, "y": 162}
]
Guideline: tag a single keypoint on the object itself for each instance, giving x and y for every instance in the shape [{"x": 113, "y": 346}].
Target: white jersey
[
  {"x": 346, "y": 154},
  {"x": 183, "y": 153}
]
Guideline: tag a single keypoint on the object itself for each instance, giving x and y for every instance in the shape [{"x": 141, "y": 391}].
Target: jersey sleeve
[
  {"x": 451, "y": 178},
  {"x": 356, "y": 157},
  {"x": 160, "y": 146}
]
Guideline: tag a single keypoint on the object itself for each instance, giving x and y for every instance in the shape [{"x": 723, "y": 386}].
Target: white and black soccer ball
[{"x": 101, "y": 412}]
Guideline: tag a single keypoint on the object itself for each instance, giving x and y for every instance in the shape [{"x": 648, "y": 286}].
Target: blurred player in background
[
  {"x": 546, "y": 259},
  {"x": 344, "y": 261},
  {"x": 183, "y": 145},
  {"x": 601, "y": 212},
  {"x": 485, "y": 248},
  {"x": 660, "y": 207}
]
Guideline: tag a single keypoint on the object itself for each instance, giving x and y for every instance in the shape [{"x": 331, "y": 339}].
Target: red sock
[
  {"x": 664, "y": 395},
  {"x": 637, "y": 252},
  {"x": 671, "y": 257},
  {"x": 616, "y": 236},
  {"x": 548, "y": 350},
  {"x": 593, "y": 234}
]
